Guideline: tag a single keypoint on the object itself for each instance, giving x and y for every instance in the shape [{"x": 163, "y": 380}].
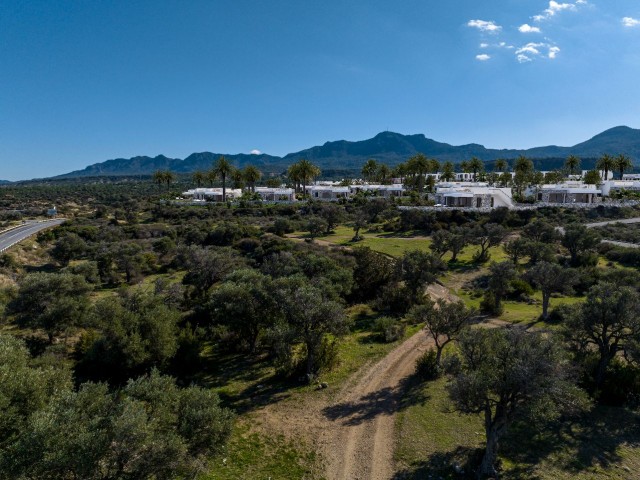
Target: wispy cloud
[
  {"x": 484, "y": 26},
  {"x": 630, "y": 22},
  {"x": 484, "y": 45},
  {"x": 483, "y": 57},
  {"x": 553, "y": 52},
  {"x": 255, "y": 152},
  {"x": 526, "y": 28},
  {"x": 555, "y": 8},
  {"x": 531, "y": 51},
  {"x": 523, "y": 58}
]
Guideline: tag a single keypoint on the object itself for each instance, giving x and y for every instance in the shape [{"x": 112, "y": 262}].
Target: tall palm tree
[
  {"x": 383, "y": 173},
  {"x": 464, "y": 166},
  {"x": 238, "y": 178},
  {"x": 369, "y": 169},
  {"x": 448, "y": 172},
  {"x": 293, "y": 172},
  {"x": 572, "y": 164},
  {"x": 306, "y": 172},
  {"x": 500, "y": 165},
  {"x": 418, "y": 165},
  {"x": 199, "y": 178},
  {"x": 606, "y": 162},
  {"x": 169, "y": 177},
  {"x": 434, "y": 165},
  {"x": 222, "y": 169},
  {"x": 476, "y": 166},
  {"x": 623, "y": 163},
  {"x": 400, "y": 171},
  {"x": 251, "y": 175},
  {"x": 158, "y": 177}
]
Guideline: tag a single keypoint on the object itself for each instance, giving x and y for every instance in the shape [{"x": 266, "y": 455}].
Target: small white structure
[
  {"x": 211, "y": 194},
  {"x": 472, "y": 195},
  {"x": 567, "y": 192},
  {"x": 268, "y": 194},
  {"x": 328, "y": 193},
  {"x": 613, "y": 186}
]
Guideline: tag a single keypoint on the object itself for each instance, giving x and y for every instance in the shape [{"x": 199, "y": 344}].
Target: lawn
[{"x": 432, "y": 438}]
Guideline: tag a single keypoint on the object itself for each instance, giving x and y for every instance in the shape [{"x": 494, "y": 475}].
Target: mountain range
[{"x": 388, "y": 147}]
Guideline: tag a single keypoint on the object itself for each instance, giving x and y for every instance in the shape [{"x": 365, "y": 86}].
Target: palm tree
[
  {"x": 383, "y": 173},
  {"x": 369, "y": 169},
  {"x": 306, "y": 171},
  {"x": 158, "y": 177},
  {"x": 400, "y": 171},
  {"x": 605, "y": 162},
  {"x": 293, "y": 172},
  {"x": 476, "y": 165},
  {"x": 222, "y": 169},
  {"x": 623, "y": 163},
  {"x": 571, "y": 164},
  {"x": 251, "y": 175},
  {"x": 169, "y": 177},
  {"x": 500, "y": 165},
  {"x": 238, "y": 178},
  {"x": 199, "y": 178},
  {"x": 418, "y": 165},
  {"x": 448, "y": 172},
  {"x": 464, "y": 166}
]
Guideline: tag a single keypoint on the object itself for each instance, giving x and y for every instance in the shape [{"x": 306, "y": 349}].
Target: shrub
[
  {"x": 427, "y": 367},
  {"x": 388, "y": 329},
  {"x": 451, "y": 364},
  {"x": 488, "y": 304},
  {"x": 520, "y": 289}
]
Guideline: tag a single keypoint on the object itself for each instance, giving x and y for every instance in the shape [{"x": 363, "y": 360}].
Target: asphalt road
[{"x": 16, "y": 235}]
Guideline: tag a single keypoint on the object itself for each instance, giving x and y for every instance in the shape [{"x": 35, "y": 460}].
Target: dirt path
[{"x": 360, "y": 441}]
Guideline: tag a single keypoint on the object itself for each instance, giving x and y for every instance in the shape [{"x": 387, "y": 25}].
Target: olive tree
[
  {"x": 509, "y": 374},
  {"x": 550, "y": 278}
]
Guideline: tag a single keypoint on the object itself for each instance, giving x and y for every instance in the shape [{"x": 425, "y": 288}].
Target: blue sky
[{"x": 85, "y": 81}]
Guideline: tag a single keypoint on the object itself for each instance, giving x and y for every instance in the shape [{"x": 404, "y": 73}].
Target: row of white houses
[{"x": 447, "y": 194}]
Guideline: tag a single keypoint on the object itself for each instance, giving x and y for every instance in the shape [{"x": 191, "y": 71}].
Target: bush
[
  {"x": 488, "y": 304},
  {"x": 426, "y": 366},
  {"x": 520, "y": 289},
  {"x": 388, "y": 329}
]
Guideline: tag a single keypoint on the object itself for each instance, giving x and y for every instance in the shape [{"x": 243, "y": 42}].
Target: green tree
[
  {"x": 486, "y": 236},
  {"x": 303, "y": 172},
  {"x": 592, "y": 177},
  {"x": 523, "y": 169},
  {"x": 501, "y": 165},
  {"x": 222, "y": 169},
  {"x": 444, "y": 321},
  {"x": 69, "y": 246},
  {"x": 476, "y": 166},
  {"x": 417, "y": 269},
  {"x": 606, "y": 163},
  {"x": 369, "y": 170},
  {"x": 199, "y": 178},
  {"x": 440, "y": 242},
  {"x": 578, "y": 239},
  {"x": 608, "y": 322},
  {"x": 500, "y": 277},
  {"x": 311, "y": 316},
  {"x": 507, "y": 375},
  {"x": 448, "y": 172},
  {"x": 251, "y": 175},
  {"x": 418, "y": 166},
  {"x": 572, "y": 164},
  {"x": 550, "y": 278},
  {"x": 622, "y": 163},
  {"x": 316, "y": 226},
  {"x": 53, "y": 302}
]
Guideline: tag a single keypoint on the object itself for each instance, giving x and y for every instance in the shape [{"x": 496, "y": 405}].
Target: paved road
[
  {"x": 609, "y": 222},
  {"x": 16, "y": 235}
]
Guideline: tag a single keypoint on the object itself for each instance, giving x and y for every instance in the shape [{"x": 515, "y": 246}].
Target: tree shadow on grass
[
  {"x": 385, "y": 401},
  {"x": 590, "y": 441},
  {"x": 457, "y": 464}
]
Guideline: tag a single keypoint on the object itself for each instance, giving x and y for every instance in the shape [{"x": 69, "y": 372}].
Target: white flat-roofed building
[
  {"x": 568, "y": 192},
  {"x": 211, "y": 194},
  {"x": 328, "y": 192},
  {"x": 268, "y": 194},
  {"x": 613, "y": 186},
  {"x": 472, "y": 195}
]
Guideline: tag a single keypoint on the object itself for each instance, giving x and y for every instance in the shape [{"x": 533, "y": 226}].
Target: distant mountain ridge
[{"x": 389, "y": 147}]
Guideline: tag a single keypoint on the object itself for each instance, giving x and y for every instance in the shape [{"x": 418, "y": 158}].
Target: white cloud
[
  {"x": 630, "y": 22},
  {"x": 484, "y": 26},
  {"x": 556, "y": 7},
  {"x": 484, "y": 45},
  {"x": 523, "y": 58},
  {"x": 526, "y": 28},
  {"x": 530, "y": 48},
  {"x": 553, "y": 52},
  {"x": 255, "y": 152},
  {"x": 483, "y": 57}
]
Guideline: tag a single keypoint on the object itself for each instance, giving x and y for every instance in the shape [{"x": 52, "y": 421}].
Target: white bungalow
[
  {"x": 613, "y": 186},
  {"x": 268, "y": 194},
  {"x": 567, "y": 192},
  {"x": 211, "y": 194},
  {"x": 328, "y": 192},
  {"x": 472, "y": 195}
]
